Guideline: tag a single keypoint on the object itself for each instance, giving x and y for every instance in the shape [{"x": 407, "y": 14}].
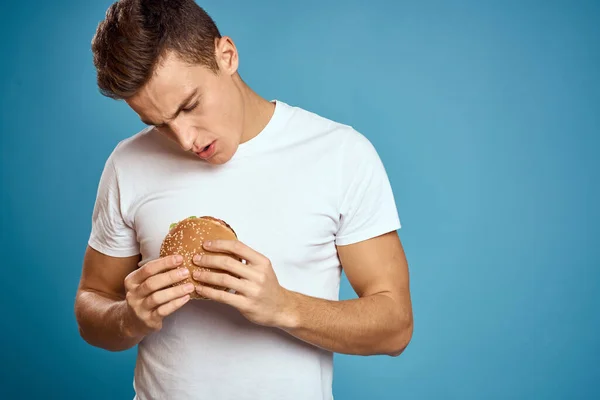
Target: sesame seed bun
[{"x": 186, "y": 238}]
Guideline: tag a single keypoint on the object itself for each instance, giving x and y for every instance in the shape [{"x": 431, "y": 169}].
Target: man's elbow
[
  {"x": 95, "y": 341},
  {"x": 85, "y": 323},
  {"x": 400, "y": 340},
  {"x": 81, "y": 323},
  {"x": 86, "y": 338}
]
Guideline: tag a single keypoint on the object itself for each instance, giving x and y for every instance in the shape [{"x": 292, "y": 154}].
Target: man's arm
[
  {"x": 378, "y": 322},
  {"x": 100, "y": 306},
  {"x": 118, "y": 304}
]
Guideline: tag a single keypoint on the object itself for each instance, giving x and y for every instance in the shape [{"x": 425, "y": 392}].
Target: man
[{"x": 307, "y": 197}]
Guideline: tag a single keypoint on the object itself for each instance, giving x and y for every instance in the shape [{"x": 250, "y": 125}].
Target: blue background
[{"x": 485, "y": 113}]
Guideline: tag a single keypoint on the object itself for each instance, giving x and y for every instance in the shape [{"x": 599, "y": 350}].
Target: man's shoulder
[
  {"x": 326, "y": 143},
  {"x": 316, "y": 118},
  {"x": 138, "y": 140},
  {"x": 318, "y": 126},
  {"x": 131, "y": 148}
]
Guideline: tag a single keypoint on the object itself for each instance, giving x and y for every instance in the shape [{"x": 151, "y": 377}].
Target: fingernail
[
  {"x": 178, "y": 259},
  {"x": 208, "y": 243},
  {"x": 184, "y": 272},
  {"x": 197, "y": 258},
  {"x": 189, "y": 287}
]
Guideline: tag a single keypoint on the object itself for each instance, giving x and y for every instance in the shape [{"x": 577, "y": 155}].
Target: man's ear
[{"x": 226, "y": 55}]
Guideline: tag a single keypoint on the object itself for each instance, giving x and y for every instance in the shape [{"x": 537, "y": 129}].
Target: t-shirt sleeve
[
  {"x": 110, "y": 233},
  {"x": 367, "y": 208}
]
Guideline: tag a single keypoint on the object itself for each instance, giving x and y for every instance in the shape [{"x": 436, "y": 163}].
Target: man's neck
[{"x": 257, "y": 113}]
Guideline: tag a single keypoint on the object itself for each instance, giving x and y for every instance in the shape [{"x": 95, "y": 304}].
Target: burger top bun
[{"x": 186, "y": 238}]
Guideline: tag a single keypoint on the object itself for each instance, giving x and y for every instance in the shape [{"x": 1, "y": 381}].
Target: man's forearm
[
  {"x": 365, "y": 326},
  {"x": 104, "y": 322}
]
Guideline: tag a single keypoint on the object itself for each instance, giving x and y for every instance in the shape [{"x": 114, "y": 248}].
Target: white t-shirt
[{"x": 293, "y": 192}]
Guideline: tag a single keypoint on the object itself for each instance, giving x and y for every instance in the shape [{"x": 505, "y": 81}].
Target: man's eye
[{"x": 190, "y": 108}]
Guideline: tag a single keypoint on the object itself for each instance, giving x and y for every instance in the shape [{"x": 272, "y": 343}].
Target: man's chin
[{"x": 218, "y": 159}]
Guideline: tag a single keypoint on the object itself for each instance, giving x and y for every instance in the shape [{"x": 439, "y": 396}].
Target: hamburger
[{"x": 186, "y": 238}]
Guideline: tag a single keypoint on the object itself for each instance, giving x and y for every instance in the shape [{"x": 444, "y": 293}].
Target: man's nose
[{"x": 184, "y": 134}]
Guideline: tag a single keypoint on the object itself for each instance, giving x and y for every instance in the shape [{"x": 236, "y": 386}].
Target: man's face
[{"x": 200, "y": 110}]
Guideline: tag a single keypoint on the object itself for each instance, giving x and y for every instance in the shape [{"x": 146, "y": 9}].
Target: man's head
[{"x": 169, "y": 62}]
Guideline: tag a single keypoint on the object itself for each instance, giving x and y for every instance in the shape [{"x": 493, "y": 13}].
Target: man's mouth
[{"x": 207, "y": 151}]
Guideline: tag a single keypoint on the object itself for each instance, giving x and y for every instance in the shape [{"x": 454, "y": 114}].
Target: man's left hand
[{"x": 259, "y": 296}]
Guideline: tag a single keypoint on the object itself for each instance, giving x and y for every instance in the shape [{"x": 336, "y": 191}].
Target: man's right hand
[{"x": 150, "y": 297}]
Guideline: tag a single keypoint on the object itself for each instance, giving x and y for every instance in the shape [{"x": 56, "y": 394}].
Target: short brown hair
[{"x": 135, "y": 34}]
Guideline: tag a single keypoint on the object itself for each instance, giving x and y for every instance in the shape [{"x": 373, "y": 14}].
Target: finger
[
  {"x": 222, "y": 296},
  {"x": 170, "y": 307},
  {"x": 235, "y": 247},
  {"x": 156, "y": 266},
  {"x": 225, "y": 263},
  {"x": 161, "y": 281},
  {"x": 161, "y": 297},
  {"x": 223, "y": 280}
]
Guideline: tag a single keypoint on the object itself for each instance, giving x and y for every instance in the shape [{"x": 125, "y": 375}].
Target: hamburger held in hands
[{"x": 186, "y": 238}]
